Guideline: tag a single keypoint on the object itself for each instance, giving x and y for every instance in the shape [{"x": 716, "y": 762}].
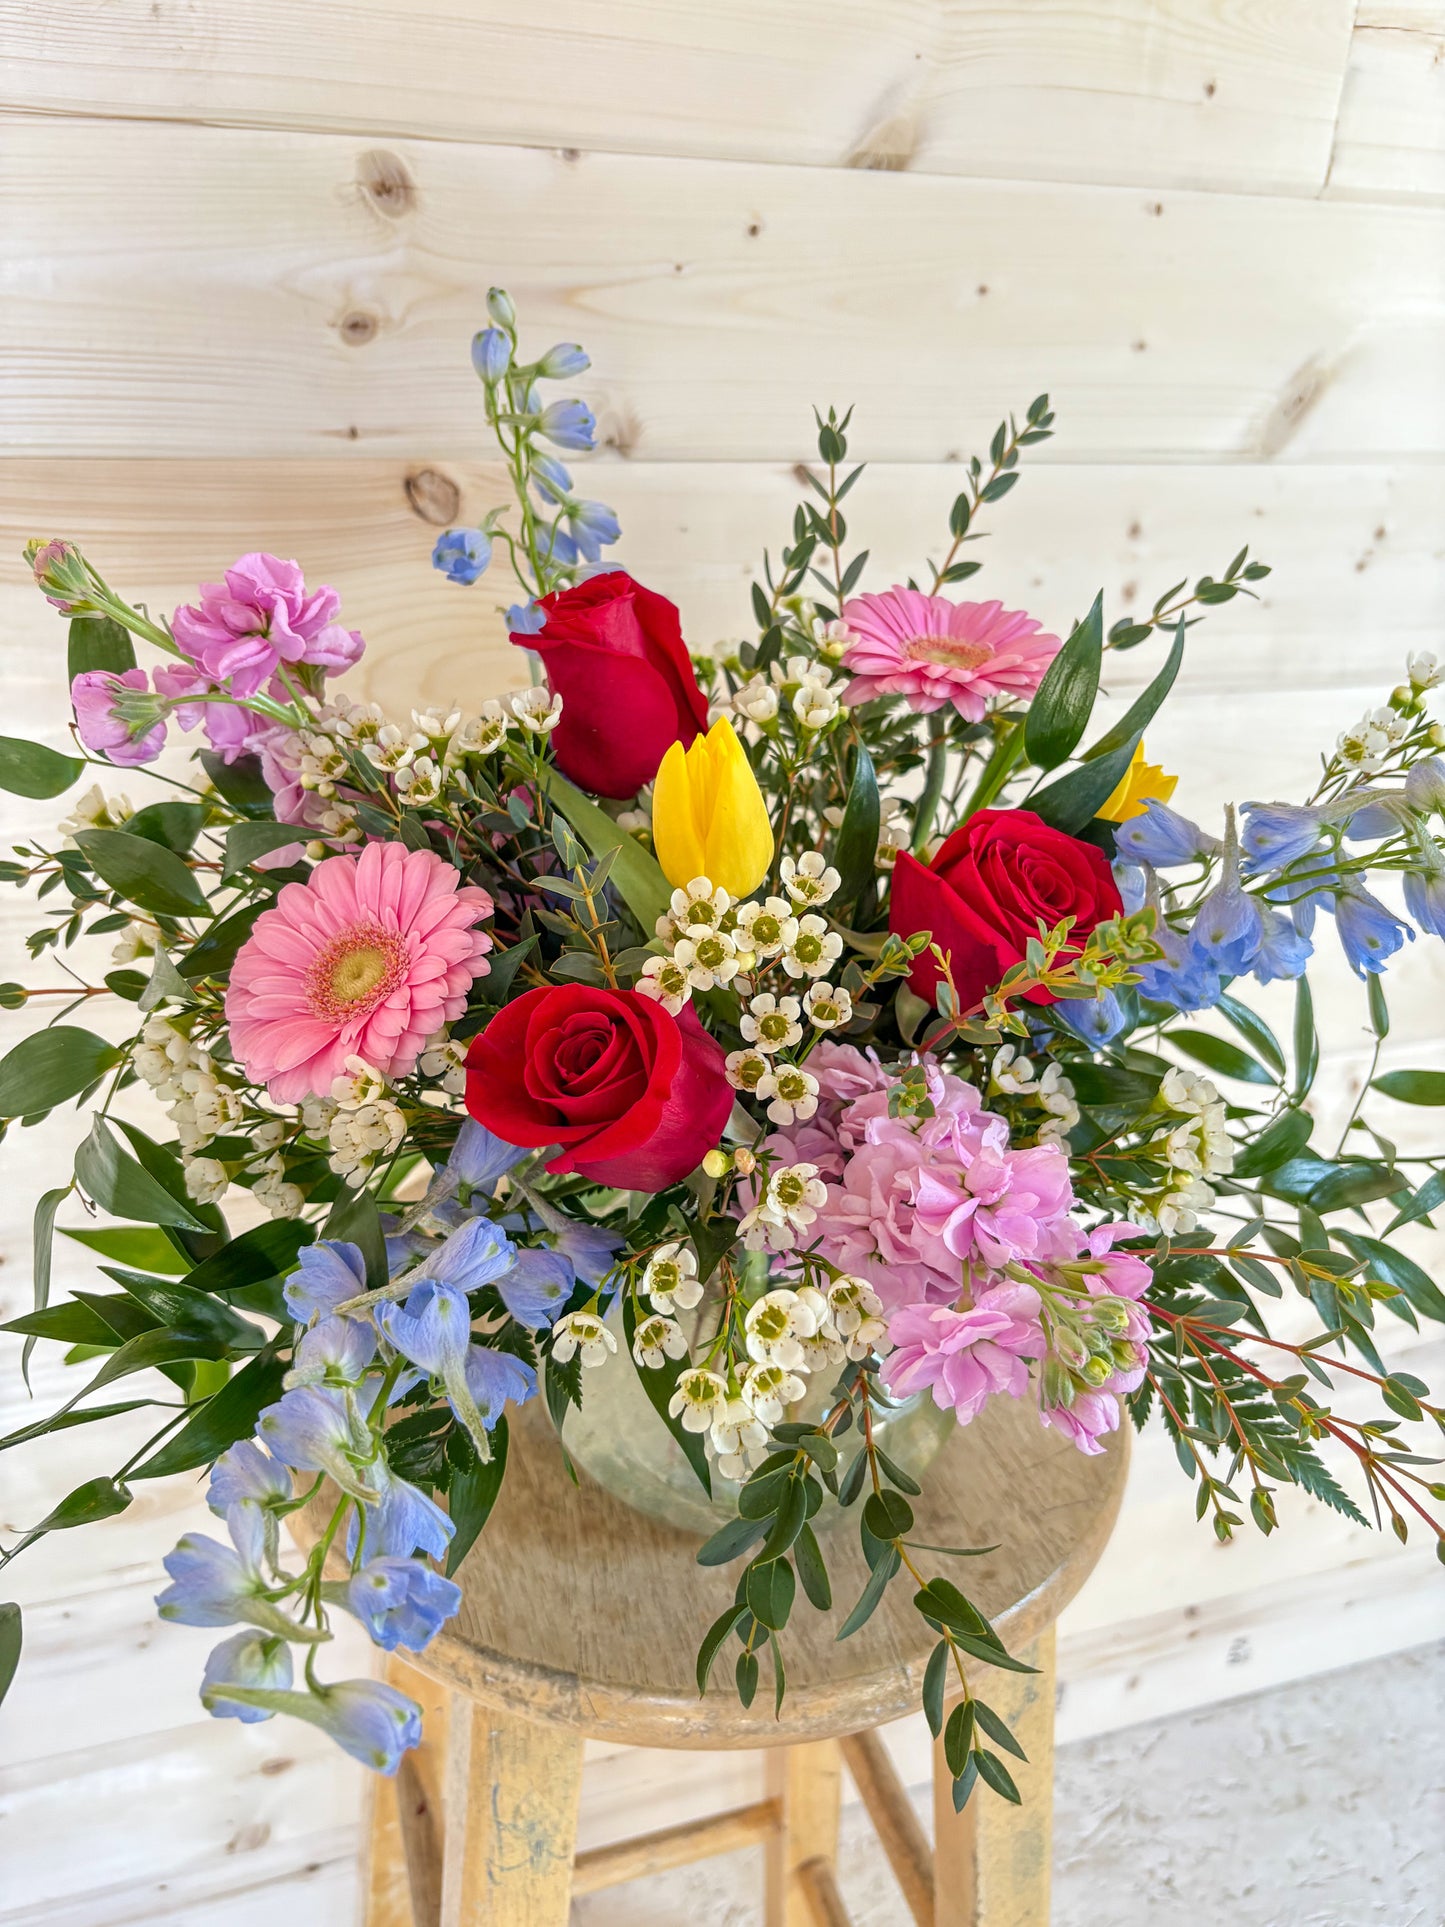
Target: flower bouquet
[{"x": 808, "y": 1026}]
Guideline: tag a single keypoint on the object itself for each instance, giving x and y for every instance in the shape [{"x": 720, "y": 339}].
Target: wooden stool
[{"x": 581, "y": 1619}]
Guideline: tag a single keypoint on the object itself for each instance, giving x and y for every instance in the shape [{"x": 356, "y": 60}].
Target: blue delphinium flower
[
  {"x": 1278, "y": 833},
  {"x": 1425, "y": 786},
  {"x": 1229, "y": 927},
  {"x": 404, "y": 1520},
  {"x": 1181, "y": 977},
  {"x": 477, "y": 1253},
  {"x": 371, "y": 1721},
  {"x": 1133, "y": 883},
  {"x": 1098, "y": 1020},
  {"x": 491, "y": 353},
  {"x": 551, "y": 480},
  {"x": 319, "y": 1428},
  {"x": 329, "y": 1274},
  {"x": 399, "y": 1601},
  {"x": 1370, "y": 933},
  {"x": 591, "y": 1248},
  {"x": 525, "y": 619},
  {"x": 497, "y": 1379},
  {"x": 217, "y": 1585},
  {"x": 479, "y": 1157},
  {"x": 1162, "y": 838},
  {"x": 594, "y": 527},
  {"x": 563, "y": 361},
  {"x": 245, "y": 1659},
  {"x": 244, "y": 1474},
  {"x": 1283, "y": 952},
  {"x": 556, "y": 545},
  {"x": 537, "y": 1287},
  {"x": 336, "y": 1351},
  {"x": 433, "y": 1329},
  {"x": 569, "y": 424},
  {"x": 462, "y": 554},
  {"x": 501, "y": 310},
  {"x": 1425, "y": 895}
]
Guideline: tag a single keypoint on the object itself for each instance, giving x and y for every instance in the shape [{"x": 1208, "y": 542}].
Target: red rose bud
[
  {"x": 986, "y": 892},
  {"x": 614, "y": 653},
  {"x": 635, "y": 1097}
]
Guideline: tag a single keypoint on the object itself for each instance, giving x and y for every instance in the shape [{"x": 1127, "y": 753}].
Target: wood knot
[
  {"x": 385, "y": 181},
  {"x": 357, "y": 328},
  {"x": 433, "y": 496}
]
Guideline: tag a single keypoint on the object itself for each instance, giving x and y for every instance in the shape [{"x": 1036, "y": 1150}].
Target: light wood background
[{"x": 244, "y": 252}]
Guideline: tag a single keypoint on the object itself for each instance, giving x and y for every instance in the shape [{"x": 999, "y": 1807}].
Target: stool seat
[{"x": 578, "y": 1611}]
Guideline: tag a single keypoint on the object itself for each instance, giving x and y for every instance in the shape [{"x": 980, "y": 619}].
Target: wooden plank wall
[{"x": 244, "y": 252}]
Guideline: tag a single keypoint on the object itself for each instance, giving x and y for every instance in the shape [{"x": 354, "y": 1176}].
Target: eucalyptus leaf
[
  {"x": 30, "y": 769},
  {"x": 472, "y": 1494},
  {"x": 97, "y": 642},
  {"x": 1413, "y": 1087},
  {"x": 11, "y": 1639},
  {"x": 145, "y": 873},
  {"x": 114, "y": 1180},
  {"x": 247, "y": 841},
  {"x": 49, "y": 1066}
]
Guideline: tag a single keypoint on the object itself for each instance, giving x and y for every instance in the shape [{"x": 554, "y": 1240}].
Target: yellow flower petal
[
  {"x": 1141, "y": 783},
  {"x": 708, "y": 814}
]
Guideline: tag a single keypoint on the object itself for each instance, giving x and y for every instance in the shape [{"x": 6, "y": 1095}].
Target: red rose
[
  {"x": 614, "y": 653},
  {"x": 634, "y": 1096},
  {"x": 985, "y": 893}
]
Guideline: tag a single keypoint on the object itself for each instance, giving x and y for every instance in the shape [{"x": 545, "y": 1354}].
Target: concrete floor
[{"x": 1320, "y": 1804}]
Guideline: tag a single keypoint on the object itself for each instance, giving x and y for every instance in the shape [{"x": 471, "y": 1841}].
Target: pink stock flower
[
  {"x": 1122, "y": 1275},
  {"x": 368, "y": 958},
  {"x": 58, "y": 571},
  {"x": 229, "y": 728},
  {"x": 933, "y": 651},
  {"x": 966, "y": 1357},
  {"x": 1086, "y": 1420},
  {"x": 922, "y": 1207},
  {"x": 260, "y": 617},
  {"x": 124, "y": 730}
]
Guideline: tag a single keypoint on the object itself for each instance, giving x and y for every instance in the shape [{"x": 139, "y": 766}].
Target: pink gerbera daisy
[
  {"x": 368, "y": 958},
  {"x": 933, "y": 651}
]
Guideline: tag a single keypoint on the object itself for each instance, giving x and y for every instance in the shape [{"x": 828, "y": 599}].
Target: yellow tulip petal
[
  {"x": 674, "y": 833},
  {"x": 739, "y": 835},
  {"x": 1141, "y": 783}
]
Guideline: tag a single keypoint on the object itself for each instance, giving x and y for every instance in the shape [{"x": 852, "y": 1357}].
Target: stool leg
[
  {"x": 511, "y": 1805},
  {"x": 992, "y": 1861},
  {"x": 401, "y": 1873},
  {"x": 808, "y": 1782}
]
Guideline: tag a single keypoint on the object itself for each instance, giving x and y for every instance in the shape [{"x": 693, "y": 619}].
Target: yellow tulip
[
  {"x": 708, "y": 814},
  {"x": 1141, "y": 783}
]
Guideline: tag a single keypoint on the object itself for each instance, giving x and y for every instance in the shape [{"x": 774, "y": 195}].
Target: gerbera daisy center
[
  {"x": 949, "y": 652},
  {"x": 358, "y": 968}
]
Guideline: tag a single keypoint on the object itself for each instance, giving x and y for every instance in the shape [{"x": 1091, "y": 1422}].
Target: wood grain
[
  {"x": 1218, "y": 93},
  {"x": 511, "y": 1806},
  {"x": 1390, "y": 141},
  {"x": 806, "y": 1782},
  {"x": 339, "y": 292}
]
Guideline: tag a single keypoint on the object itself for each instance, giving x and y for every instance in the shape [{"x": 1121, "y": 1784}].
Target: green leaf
[
  {"x": 1254, "y": 1030},
  {"x": 994, "y": 1773},
  {"x": 958, "y": 1736},
  {"x": 177, "y": 1304},
  {"x": 635, "y": 871},
  {"x": 788, "y": 1520},
  {"x": 1379, "y": 1009},
  {"x": 770, "y": 1590},
  {"x": 1356, "y": 1182},
  {"x": 97, "y": 1499},
  {"x": 1060, "y": 710},
  {"x": 354, "y": 1220},
  {"x": 868, "y": 1599},
  {"x": 887, "y": 1515},
  {"x": 50, "y": 1066},
  {"x": 266, "y": 1251},
  {"x": 1306, "y": 1039},
  {"x": 1280, "y": 1141},
  {"x": 97, "y": 642},
  {"x": 1142, "y": 710},
  {"x": 472, "y": 1494},
  {"x": 145, "y": 873},
  {"x": 165, "y": 982},
  {"x": 174, "y": 825},
  {"x": 241, "y": 783},
  {"x": 1412, "y": 1087},
  {"x": 1219, "y": 1055},
  {"x": 1072, "y": 802},
  {"x": 160, "y": 1163},
  {"x": 856, "y": 849},
  {"x": 659, "y": 1386},
  {"x": 808, "y": 1557},
  {"x": 1392, "y": 1267},
  {"x": 29, "y": 769},
  {"x": 247, "y": 841},
  {"x": 114, "y": 1180},
  {"x": 69, "y": 1323},
  {"x": 935, "y": 1683},
  {"x": 712, "y": 1641},
  {"x": 996, "y": 1730},
  {"x": 217, "y": 1424},
  {"x": 43, "y": 1241},
  {"x": 746, "y": 1674},
  {"x": 218, "y": 948},
  {"x": 730, "y": 1541},
  {"x": 1427, "y": 1199},
  {"x": 63, "y": 1421},
  {"x": 10, "y": 1642}
]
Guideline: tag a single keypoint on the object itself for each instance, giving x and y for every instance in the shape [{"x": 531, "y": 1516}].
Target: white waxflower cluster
[
  {"x": 184, "y": 1079},
  {"x": 1015, "y": 1076},
  {"x": 786, "y": 1209},
  {"x": 94, "y": 810},
  {"x": 366, "y": 1123},
  {"x": 137, "y": 940},
  {"x": 537, "y": 709},
  {"x": 584, "y": 1332},
  {"x": 1193, "y": 1149},
  {"x": 1367, "y": 746},
  {"x": 481, "y": 734},
  {"x": 444, "y": 1059},
  {"x": 1424, "y": 670},
  {"x": 788, "y": 1334}
]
